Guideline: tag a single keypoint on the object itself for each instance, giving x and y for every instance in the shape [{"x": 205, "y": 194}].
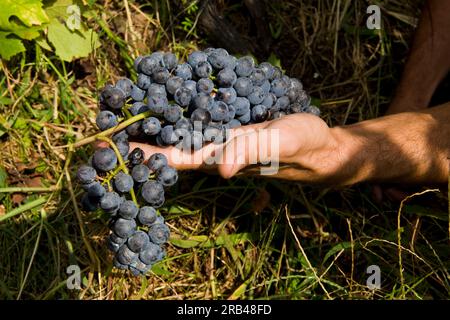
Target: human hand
[{"x": 303, "y": 145}]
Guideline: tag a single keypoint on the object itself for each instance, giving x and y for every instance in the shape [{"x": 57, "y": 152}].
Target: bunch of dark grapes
[{"x": 184, "y": 104}]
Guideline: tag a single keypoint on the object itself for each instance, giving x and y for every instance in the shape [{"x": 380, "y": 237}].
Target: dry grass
[{"x": 237, "y": 239}]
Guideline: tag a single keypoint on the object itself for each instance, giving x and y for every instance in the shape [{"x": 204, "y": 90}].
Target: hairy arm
[
  {"x": 410, "y": 147},
  {"x": 428, "y": 62}
]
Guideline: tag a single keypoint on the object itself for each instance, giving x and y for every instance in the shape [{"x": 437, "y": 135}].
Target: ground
[{"x": 243, "y": 238}]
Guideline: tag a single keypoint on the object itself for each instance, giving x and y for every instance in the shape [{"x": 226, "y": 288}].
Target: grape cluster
[
  {"x": 185, "y": 104},
  {"x": 138, "y": 233}
]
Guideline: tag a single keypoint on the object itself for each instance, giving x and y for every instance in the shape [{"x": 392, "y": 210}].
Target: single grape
[
  {"x": 203, "y": 102},
  {"x": 159, "y": 233},
  {"x": 156, "y": 162},
  {"x": 201, "y": 116},
  {"x": 205, "y": 86},
  {"x": 123, "y": 182},
  {"x": 257, "y": 96},
  {"x": 167, "y": 135},
  {"x": 134, "y": 129},
  {"x": 150, "y": 254},
  {"x": 138, "y": 268},
  {"x": 140, "y": 173},
  {"x": 244, "y": 66},
  {"x": 138, "y": 241},
  {"x": 147, "y": 65},
  {"x": 173, "y": 113},
  {"x": 243, "y": 86},
  {"x": 137, "y": 94},
  {"x": 156, "y": 89},
  {"x": 196, "y": 57},
  {"x": 234, "y": 123},
  {"x": 282, "y": 103},
  {"x": 183, "y": 96},
  {"x": 259, "y": 113},
  {"x": 137, "y": 108},
  {"x": 121, "y": 135},
  {"x": 124, "y": 228},
  {"x": 110, "y": 201},
  {"x": 143, "y": 81},
  {"x": 241, "y": 106},
  {"x": 258, "y": 77},
  {"x": 183, "y": 123},
  {"x": 153, "y": 193},
  {"x": 125, "y": 85},
  {"x": 104, "y": 159},
  {"x": 86, "y": 174},
  {"x": 266, "y": 86},
  {"x": 96, "y": 190},
  {"x": 167, "y": 176},
  {"x": 151, "y": 126},
  {"x": 218, "y": 59},
  {"x": 116, "y": 239},
  {"x": 160, "y": 75},
  {"x": 279, "y": 87},
  {"x": 147, "y": 215},
  {"x": 227, "y": 95},
  {"x": 112, "y": 246},
  {"x": 184, "y": 71},
  {"x": 268, "y": 69},
  {"x": 203, "y": 70},
  {"x": 124, "y": 147},
  {"x": 169, "y": 60},
  {"x": 126, "y": 256},
  {"x": 128, "y": 210},
  {"x": 226, "y": 78},
  {"x": 119, "y": 265},
  {"x": 191, "y": 85},
  {"x": 270, "y": 100},
  {"x": 157, "y": 103},
  {"x": 213, "y": 133},
  {"x": 112, "y": 97},
  {"x": 313, "y": 110},
  {"x": 173, "y": 83}
]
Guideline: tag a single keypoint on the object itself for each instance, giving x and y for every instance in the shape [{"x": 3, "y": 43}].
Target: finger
[
  {"x": 248, "y": 147},
  {"x": 183, "y": 159}
]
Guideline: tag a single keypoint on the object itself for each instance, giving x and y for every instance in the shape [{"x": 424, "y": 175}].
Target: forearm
[
  {"x": 428, "y": 62},
  {"x": 410, "y": 147}
]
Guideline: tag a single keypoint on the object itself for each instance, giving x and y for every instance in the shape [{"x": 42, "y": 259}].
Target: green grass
[{"x": 246, "y": 238}]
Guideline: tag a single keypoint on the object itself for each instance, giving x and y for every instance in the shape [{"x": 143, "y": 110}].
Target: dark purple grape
[
  {"x": 156, "y": 90},
  {"x": 259, "y": 113},
  {"x": 226, "y": 78},
  {"x": 243, "y": 86},
  {"x": 147, "y": 215},
  {"x": 125, "y": 85},
  {"x": 241, "y": 106},
  {"x": 173, "y": 113},
  {"x": 157, "y": 103},
  {"x": 88, "y": 204},
  {"x": 137, "y": 94},
  {"x": 153, "y": 193},
  {"x": 205, "y": 86},
  {"x": 124, "y": 228},
  {"x": 159, "y": 233},
  {"x": 104, "y": 159},
  {"x": 227, "y": 95},
  {"x": 126, "y": 256},
  {"x": 123, "y": 182},
  {"x": 184, "y": 71},
  {"x": 147, "y": 65},
  {"x": 143, "y": 81},
  {"x": 201, "y": 115},
  {"x": 167, "y": 135},
  {"x": 156, "y": 162},
  {"x": 140, "y": 173},
  {"x": 160, "y": 75},
  {"x": 257, "y": 96},
  {"x": 150, "y": 254},
  {"x": 203, "y": 70},
  {"x": 138, "y": 241},
  {"x": 110, "y": 201},
  {"x": 151, "y": 126},
  {"x": 167, "y": 176},
  {"x": 86, "y": 174},
  {"x": 244, "y": 66},
  {"x": 196, "y": 57},
  {"x": 128, "y": 210},
  {"x": 173, "y": 83},
  {"x": 169, "y": 60},
  {"x": 105, "y": 120},
  {"x": 112, "y": 97},
  {"x": 183, "y": 96}
]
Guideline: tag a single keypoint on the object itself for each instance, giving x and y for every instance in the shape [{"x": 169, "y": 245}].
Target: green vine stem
[
  {"x": 122, "y": 164},
  {"x": 112, "y": 130}
]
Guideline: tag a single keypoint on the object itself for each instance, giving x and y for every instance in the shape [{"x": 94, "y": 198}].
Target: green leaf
[
  {"x": 188, "y": 243},
  {"x": 9, "y": 46},
  {"x": 336, "y": 249},
  {"x": 29, "y": 12},
  {"x": 71, "y": 45}
]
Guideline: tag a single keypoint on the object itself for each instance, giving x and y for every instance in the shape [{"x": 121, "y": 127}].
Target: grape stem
[
  {"x": 111, "y": 131},
  {"x": 122, "y": 165}
]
